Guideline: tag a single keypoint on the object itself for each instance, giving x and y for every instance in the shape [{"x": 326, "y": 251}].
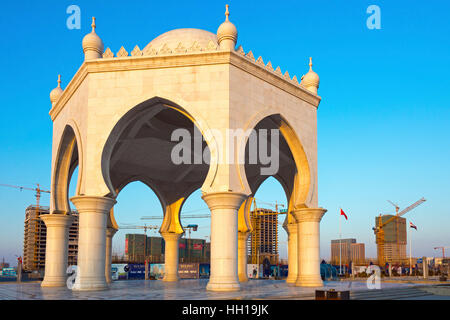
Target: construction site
[
  {"x": 35, "y": 235},
  {"x": 263, "y": 241},
  {"x": 390, "y": 235}
]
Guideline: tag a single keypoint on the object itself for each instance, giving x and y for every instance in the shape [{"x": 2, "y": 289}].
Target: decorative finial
[
  {"x": 92, "y": 44},
  {"x": 57, "y": 92},
  {"x": 227, "y": 33},
  {"x": 227, "y": 13},
  {"x": 93, "y": 24},
  {"x": 311, "y": 80}
]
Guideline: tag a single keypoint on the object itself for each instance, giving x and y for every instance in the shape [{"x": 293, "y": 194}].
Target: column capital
[
  {"x": 224, "y": 200},
  {"x": 243, "y": 235},
  {"x": 110, "y": 232},
  {"x": 291, "y": 228},
  {"x": 308, "y": 214},
  {"x": 93, "y": 203},
  {"x": 57, "y": 220},
  {"x": 171, "y": 235}
]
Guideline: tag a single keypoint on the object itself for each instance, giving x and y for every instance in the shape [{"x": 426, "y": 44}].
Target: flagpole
[
  {"x": 340, "y": 244},
  {"x": 410, "y": 245}
]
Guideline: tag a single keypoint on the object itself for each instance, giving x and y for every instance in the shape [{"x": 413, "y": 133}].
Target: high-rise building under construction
[
  {"x": 263, "y": 241},
  {"x": 35, "y": 236},
  {"x": 394, "y": 238}
]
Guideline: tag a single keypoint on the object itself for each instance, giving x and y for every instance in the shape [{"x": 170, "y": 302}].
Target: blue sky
[{"x": 383, "y": 122}]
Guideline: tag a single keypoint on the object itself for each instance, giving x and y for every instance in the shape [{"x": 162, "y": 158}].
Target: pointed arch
[
  {"x": 69, "y": 156},
  {"x": 142, "y": 113},
  {"x": 303, "y": 188}
]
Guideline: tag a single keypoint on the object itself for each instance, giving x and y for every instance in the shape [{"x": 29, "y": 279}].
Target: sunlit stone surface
[{"x": 193, "y": 290}]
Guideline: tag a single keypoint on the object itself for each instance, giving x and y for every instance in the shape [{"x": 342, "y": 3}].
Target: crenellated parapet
[
  {"x": 260, "y": 62},
  {"x": 164, "y": 50},
  {"x": 195, "y": 48}
]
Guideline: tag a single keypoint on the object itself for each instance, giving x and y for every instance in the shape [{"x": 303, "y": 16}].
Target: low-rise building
[
  {"x": 139, "y": 247},
  {"x": 344, "y": 251}
]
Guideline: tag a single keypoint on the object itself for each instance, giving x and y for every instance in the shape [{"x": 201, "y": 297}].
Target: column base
[
  {"x": 291, "y": 280},
  {"x": 170, "y": 278},
  {"x": 223, "y": 286},
  {"x": 90, "y": 285},
  {"x": 243, "y": 278},
  {"x": 309, "y": 281},
  {"x": 54, "y": 282}
]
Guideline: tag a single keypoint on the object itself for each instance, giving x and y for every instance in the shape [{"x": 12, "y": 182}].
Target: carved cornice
[
  {"x": 189, "y": 58},
  {"x": 275, "y": 78}
]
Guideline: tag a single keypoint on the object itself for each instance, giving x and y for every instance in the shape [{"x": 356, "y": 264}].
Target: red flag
[{"x": 343, "y": 214}]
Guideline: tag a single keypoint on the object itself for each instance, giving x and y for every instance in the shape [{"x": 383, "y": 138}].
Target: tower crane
[
  {"x": 397, "y": 208},
  {"x": 443, "y": 250},
  {"x": 38, "y": 191},
  {"x": 145, "y": 228},
  {"x": 379, "y": 230},
  {"x": 274, "y": 205}
]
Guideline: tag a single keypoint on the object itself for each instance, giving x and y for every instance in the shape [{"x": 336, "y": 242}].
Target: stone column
[
  {"x": 110, "y": 232},
  {"x": 57, "y": 246},
  {"x": 242, "y": 256},
  {"x": 171, "y": 255},
  {"x": 224, "y": 243},
  {"x": 92, "y": 213},
  {"x": 292, "y": 230},
  {"x": 308, "y": 234}
]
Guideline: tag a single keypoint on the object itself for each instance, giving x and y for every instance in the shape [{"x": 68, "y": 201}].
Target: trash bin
[
  {"x": 332, "y": 295},
  {"x": 321, "y": 295}
]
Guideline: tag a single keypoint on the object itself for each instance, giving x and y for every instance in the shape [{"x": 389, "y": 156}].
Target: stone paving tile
[{"x": 181, "y": 290}]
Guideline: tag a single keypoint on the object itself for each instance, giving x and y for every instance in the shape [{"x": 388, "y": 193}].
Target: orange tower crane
[
  {"x": 38, "y": 191},
  {"x": 443, "y": 250},
  {"x": 379, "y": 230}
]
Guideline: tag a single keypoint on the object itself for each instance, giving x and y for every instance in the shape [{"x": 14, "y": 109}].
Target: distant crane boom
[
  {"x": 139, "y": 227},
  {"x": 37, "y": 210},
  {"x": 395, "y": 205},
  {"x": 415, "y": 204},
  {"x": 443, "y": 250}
]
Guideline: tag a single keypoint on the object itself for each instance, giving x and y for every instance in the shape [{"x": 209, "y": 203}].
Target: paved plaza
[{"x": 195, "y": 290}]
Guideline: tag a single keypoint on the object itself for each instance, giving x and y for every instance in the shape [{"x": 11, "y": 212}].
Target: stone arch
[
  {"x": 255, "y": 186},
  {"x": 169, "y": 225},
  {"x": 111, "y": 222},
  {"x": 69, "y": 156},
  {"x": 148, "y": 109},
  {"x": 303, "y": 188}
]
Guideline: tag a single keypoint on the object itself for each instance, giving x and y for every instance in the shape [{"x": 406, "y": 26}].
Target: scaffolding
[
  {"x": 264, "y": 238},
  {"x": 35, "y": 237}
]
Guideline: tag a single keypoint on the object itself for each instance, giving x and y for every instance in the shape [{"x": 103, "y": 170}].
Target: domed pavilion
[{"x": 125, "y": 116}]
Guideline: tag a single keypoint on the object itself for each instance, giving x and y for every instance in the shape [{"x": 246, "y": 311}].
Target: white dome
[{"x": 186, "y": 36}]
